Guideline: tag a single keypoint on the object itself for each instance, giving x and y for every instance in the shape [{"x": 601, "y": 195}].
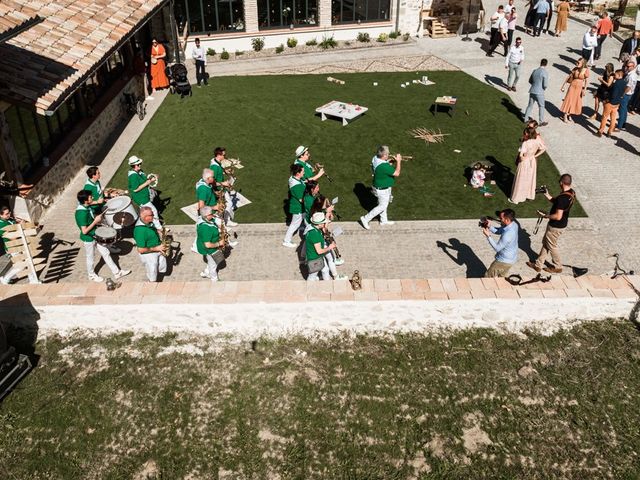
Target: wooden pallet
[{"x": 440, "y": 30}]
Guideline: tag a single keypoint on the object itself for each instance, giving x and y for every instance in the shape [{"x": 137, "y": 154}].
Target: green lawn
[
  {"x": 473, "y": 404},
  {"x": 261, "y": 120}
]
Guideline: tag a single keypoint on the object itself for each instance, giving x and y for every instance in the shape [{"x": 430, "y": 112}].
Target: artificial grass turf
[{"x": 262, "y": 119}]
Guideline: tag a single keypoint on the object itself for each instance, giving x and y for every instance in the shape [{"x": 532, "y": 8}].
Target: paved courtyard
[{"x": 605, "y": 177}]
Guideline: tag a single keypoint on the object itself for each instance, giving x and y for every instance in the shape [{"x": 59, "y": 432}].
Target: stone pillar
[
  {"x": 251, "y": 16},
  {"x": 8, "y": 154},
  {"x": 324, "y": 13}
]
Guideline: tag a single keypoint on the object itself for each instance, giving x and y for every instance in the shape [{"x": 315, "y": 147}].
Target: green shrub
[
  {"x": 405, "y": 37},
  {"x": 211, "y": 52},
  {"x": 257, "y": 43},
  {"x": 383, "y": 37},
  {"x": 280, "y": 48},
  {"x": 292, "y": 42},
  {"x": 312, "y": 42},
  {"x": 327, "y": 43},
  {"x": 239, "y": 52},
  {"x": 363, "y": 37},
  {"x": 224, "y": 55},
  {"x": 395, "y": 34}
]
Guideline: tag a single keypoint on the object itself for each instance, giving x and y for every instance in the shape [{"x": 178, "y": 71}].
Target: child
[{"x": 478, "y": 176}]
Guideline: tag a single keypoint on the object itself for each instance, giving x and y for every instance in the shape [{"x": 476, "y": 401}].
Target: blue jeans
[
  {"x": 622, "y": 112},
  {"x": 535, "y": 98},
  {"x": 537, "y": 27}
]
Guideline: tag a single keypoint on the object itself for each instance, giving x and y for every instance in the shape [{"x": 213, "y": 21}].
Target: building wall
[{"x": 80, "y": 154}]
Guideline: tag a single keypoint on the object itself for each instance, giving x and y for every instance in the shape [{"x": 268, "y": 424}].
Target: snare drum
[
  {"x": 105, "y": 235},
  {"x": 120, "y": 212}
]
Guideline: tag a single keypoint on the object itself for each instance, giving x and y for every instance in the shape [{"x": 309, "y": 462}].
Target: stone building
[{"x": 64, "y": 66}]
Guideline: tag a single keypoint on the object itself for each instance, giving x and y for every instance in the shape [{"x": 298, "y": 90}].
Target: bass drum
[{"x": 120, "y": 212}]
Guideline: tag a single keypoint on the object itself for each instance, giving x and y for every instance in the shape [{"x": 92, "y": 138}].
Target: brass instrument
[
  {"x": 328, "y": 239},
  {"x": 166, "y": 240},
  {"x": 356, "y": 280},
  {"x": 392, "y": 158},
  {"x": 112, "y": 192},
  {"x": 154, "y": 179},
  {"x": 319, "y": 166}
]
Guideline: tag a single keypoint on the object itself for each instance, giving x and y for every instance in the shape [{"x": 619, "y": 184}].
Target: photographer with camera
[
  {"x": 506, "y": 247},
  {"x": 558, "y": 218}
]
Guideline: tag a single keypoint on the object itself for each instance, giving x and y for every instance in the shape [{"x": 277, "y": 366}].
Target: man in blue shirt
[
  {"x": 543, "y": 10},
  {"x": 506, "y": 247}
]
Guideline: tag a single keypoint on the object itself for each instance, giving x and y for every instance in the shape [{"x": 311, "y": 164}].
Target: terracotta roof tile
[{"x": 43, "y": 63}]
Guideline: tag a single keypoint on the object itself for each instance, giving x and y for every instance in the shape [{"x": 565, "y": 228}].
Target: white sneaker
[
  {"x": 204, "y": 274},
  {"x": 231, "y": 224},
  {"x": 364, "y": 223},
  {"x": 289, "y": 244},
  {"x": 339, "y": 261},
  {"x": 149, "y": 98},
  {"x": 233, "y": 243},
  {"x": 4, "y": 281},
  {"x": 341, "y": 277},
  {"x": 121, "y": 273},
  {"x": 388, "y": 222},
  {"x": 194, "y": 249},
  {"x": 96, "y": 278}
]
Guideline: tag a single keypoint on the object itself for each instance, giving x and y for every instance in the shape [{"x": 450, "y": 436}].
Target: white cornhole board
[
  {"x": 345, "y": 111},
  {"x": 191, "y": 211}
]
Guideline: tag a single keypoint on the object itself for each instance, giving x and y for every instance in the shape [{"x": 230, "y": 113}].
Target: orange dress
[
  {"x": 563, "y": 15},
  {"x": 524, "y": 183},
  {"x": 158, "y": 76},
  {"x": 572, "y": 104}
]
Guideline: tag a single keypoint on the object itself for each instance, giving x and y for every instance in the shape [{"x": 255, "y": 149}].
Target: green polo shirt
[
  {"x": 206, "y": 232},
  {"x": 5, "y": 223},
  {"x": 218, "y": 171},
  {"x": 135, "y": 180},
  {"x": 84, "y": 218},
  {"x": 204, "y": 192},
  {"x": 383, "y": 173},
  {"x": 96, "y": 192},
  {"x": 296, "y": 194},
  {"x": 307, "y": 202},
  {"x": 314, "y": 236},
  {"x": 308, "y": 170},
  {"x": 146, "y": 236}
]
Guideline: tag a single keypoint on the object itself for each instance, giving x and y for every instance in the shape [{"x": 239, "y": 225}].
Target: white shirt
[
  {"x": 499, "y": 16},
  {"x": 515, "y": 55},
  {"x": 589, "y": 41},
  {"x": 503, "y": 25},
  {"x": 632, "y": 80},
  {"x": 507, "y": 9},
  {"x": 199, "y": 53}
]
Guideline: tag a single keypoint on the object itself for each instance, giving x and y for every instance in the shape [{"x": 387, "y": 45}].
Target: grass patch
[
  {"x": 262, "y": 119},
  {"x": 475, "y": 404}
]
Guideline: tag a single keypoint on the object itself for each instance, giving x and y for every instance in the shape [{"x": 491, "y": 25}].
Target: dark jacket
[{"x": 627, "y": 46}]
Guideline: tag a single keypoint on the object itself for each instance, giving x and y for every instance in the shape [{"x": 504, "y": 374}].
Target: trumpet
[
  {"x": 404, "y": 157},
  {"x": 319, "y": 166},
  {"x": 154, "y": 180}
]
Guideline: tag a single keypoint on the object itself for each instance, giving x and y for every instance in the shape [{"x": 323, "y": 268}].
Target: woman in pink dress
[
  {"x": 524, "y": 183},
  {"x": 577, "y": 80}
]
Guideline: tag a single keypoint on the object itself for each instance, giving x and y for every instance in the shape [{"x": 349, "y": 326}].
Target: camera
[
  {"x": 542, "y": 189},
  {"x": 484, "y": 222}
]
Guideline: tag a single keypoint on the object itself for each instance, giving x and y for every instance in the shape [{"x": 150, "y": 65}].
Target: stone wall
[
  {"x": 80, "y": 154},
  {"x": 409, "y": 12}
]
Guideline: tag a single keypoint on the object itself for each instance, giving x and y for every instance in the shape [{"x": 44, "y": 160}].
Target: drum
[
  {"x": 120, "y": 212},
  {"x": 105, "y": 235}
]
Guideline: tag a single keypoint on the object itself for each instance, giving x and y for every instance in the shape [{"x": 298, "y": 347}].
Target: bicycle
[{"x": 135, "y": 105}]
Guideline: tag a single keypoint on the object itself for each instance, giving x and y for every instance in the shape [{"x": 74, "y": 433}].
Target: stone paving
[{"x": 604, "y": 172}]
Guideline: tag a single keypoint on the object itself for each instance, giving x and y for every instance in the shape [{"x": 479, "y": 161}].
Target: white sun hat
[
  {"x": 133, "y": 160},
  {"x": 300, "y": 151},
  {"x": 318, "y": 218}
]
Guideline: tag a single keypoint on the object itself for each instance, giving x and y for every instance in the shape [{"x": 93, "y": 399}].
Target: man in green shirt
[
  {"x": 296, "y": 206},
  {"x": 205, "y": 194},
  {"x": 93, "y": 185},
  {"x": 384, "y": 177},
  {"x": 149, "y": 245},
  {"x": 302, "y": 159},
  {"x": 5, "y": 221},
  {"x": 316, "y": 249},
  {"x": 311, "y": 192},
  {"x": 219, "y": 154},
  {"x": 87, "y": 222},
  {"x": 208, "y": 242},
  {"x": 139, "y": 189}
]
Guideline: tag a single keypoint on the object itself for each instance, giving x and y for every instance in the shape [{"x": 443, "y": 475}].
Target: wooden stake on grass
[{"x": 429, "y": 136}]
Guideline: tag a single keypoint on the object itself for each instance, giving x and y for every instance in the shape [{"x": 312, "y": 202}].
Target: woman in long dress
[
  {"x": 563, "y": 16},
  {"x": 524, "y": 183},
  {"x": 158, "y": 76},
  {"x": 577, "y": 81}
]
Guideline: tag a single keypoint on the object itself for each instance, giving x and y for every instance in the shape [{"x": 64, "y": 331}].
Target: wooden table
[
  {"x": 345, "y": 111},
  {"x": 445, "y": 101}
]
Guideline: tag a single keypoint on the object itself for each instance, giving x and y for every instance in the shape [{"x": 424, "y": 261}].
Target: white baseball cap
[
  {"x": 300, "y": 150},
  {"x": 133, "y": 160}
]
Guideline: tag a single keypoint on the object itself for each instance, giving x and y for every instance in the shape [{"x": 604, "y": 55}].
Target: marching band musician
[
  {"x": 311, "y": 192},
  {"x": 87, "y": 222},
  {"x": 208, "y": 242},
  {"x": 316, "y": 248},
  {"x": 322, "y": 204},
  {"x": 5, "y": 220},
  {"x": 222, "y": 184},
  {"x": 150, "y": 247},
  {"x": 384, "y": 177},
  {"x": 139, "y": 188},
  {"x": 296, "y": 195},
  {"x": 302, "y": 157},
  {"x": 93, "y": 185},
  {"x": 205, "y": 194}
]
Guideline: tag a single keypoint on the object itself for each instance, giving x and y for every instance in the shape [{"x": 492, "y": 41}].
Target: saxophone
[
  {"x": 328, "y": 239},
  {"x": 166, "y": 240}
]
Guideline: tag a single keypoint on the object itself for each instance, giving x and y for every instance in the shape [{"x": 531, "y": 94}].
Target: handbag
[
  {"x": 218, "y": 257},
  {"x": 314, "y": 266}
]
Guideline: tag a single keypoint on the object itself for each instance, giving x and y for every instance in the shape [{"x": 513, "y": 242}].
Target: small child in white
[{"x": 477, "y": 180}]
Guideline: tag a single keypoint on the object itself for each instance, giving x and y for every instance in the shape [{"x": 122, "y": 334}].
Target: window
[
  {"x": 283, "y": 13},
  {"x": 210, "y": 16},
  {"x": 356, "y": 11}
]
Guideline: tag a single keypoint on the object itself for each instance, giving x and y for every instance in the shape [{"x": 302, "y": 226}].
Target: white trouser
[
  {"x": 384, "y": 197},
  {"x": 156, "y": 215},
  {"x": 12, "y": 273},
  {"x": 313, "y": 277},
  {"x": 294, "y": 226},
  {"x": 153, "y": 262},
  {"x": 212, "y": 268},
  {"x": 228, "y": 211},
  {"x": 330, "y": 260},
  {"x": 90, "y": 249}
]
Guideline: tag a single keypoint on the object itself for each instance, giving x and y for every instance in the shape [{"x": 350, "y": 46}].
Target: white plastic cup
[
  {"x": 375, "y": 84},
  {"x": 403, "y": 85}
]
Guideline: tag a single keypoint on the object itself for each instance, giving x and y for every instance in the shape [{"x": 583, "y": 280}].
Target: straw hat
[
  {"x": 133, "y": 160},
  {"x": 300, "y": 151}
]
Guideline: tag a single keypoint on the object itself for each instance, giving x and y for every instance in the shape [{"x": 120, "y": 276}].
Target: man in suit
[
  {"x": 539, "y": 81},
  {"x": 630, "y": 45}
]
